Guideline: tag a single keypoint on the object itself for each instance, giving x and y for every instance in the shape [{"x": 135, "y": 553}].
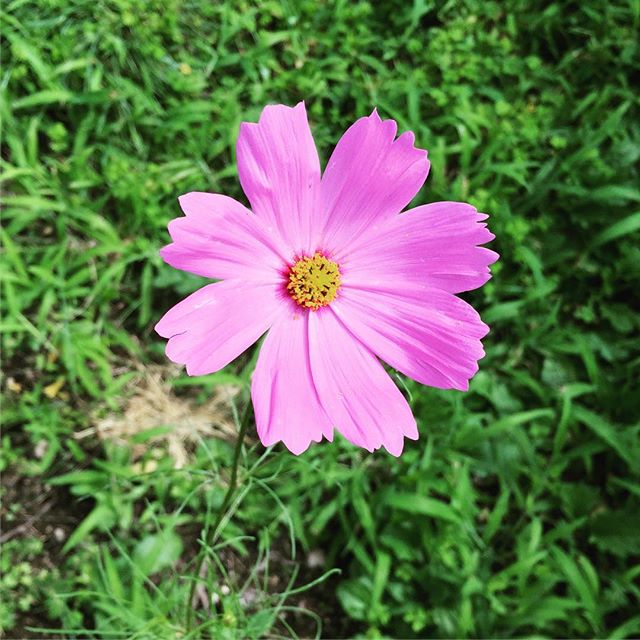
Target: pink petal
[
  {"x": 214, "y": 325},
  {"x": 370, "y": 177},
  {"x": 434, "y": 245},
  {"x": 280, "y": 173},
  {"x": 429, "y": 335},
  {"x": 219, "y": 238},
  {"x": 358, "y": 395},
  {"x": 284, "y": 397}
]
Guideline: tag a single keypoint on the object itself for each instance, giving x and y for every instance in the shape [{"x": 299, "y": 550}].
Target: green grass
[{"x": 516, "y": 513}]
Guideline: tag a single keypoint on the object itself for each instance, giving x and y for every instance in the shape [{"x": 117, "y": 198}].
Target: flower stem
[{"x": 212, "y": 531}]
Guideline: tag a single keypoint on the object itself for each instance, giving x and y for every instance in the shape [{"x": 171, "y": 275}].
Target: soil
[{"x": 47, "y": 513}]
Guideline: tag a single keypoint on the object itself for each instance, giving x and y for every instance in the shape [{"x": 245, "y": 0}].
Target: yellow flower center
[{"x": 314, "y": 282}]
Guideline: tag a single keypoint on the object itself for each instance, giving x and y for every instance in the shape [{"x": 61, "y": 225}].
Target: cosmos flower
[{"x": 338, "y": 278}]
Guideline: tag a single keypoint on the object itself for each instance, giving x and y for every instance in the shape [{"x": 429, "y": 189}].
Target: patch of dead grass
[{"x": 152, "y": 404}]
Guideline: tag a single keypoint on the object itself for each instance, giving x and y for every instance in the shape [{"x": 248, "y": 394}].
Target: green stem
[{"x": 211, "y": 531}]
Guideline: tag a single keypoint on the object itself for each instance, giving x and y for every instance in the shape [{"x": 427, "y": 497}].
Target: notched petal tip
[
  {"x": 272, "y": 109},
  {"x": 188, "y": 200},
  {"x": 248, "y": 127},
  {"x": 165, "y": 251},
  {"x": 284, "y": 398},
  {"x": 184, "y": 198},
  {"x": 409, "y": 138},
  {"x": 159, "y": 328},
  {"x": 296, "y": 447},
  {"x": 395, "y": 452},
  {"x": 371, "y": 176},
  {"x": 390, "y": 128},
  {"x": 346, "y": 384},
  {"x": 299, "y": 448},
  {"x": 293, "y": 441},
  {"x": 376, "y": 124},
  {"x": 192, "y": 371},
  {"x": 279, "y": 170},
  {"x": 165, "y": 327},
  {"x": 173, "y": 228},
  {"x": 215, "y": 324}
]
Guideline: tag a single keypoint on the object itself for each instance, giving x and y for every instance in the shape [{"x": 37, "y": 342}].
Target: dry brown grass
[{"x": 151, "y": 403}]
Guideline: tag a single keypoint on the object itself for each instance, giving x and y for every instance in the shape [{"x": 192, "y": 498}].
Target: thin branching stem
[{"x": 211, "y": 532}]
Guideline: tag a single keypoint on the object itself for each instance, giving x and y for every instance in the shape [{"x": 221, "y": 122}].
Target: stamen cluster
[{"x": 314, "y": 281}]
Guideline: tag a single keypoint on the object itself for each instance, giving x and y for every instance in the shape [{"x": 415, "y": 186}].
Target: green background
[{"x": 516, "y": 513}]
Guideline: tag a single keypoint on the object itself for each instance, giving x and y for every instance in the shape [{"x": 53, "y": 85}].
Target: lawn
[{"x": 516, "y": 513}]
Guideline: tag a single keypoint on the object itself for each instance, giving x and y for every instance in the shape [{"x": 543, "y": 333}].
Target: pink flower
[{"x": 336, "y": 276}]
